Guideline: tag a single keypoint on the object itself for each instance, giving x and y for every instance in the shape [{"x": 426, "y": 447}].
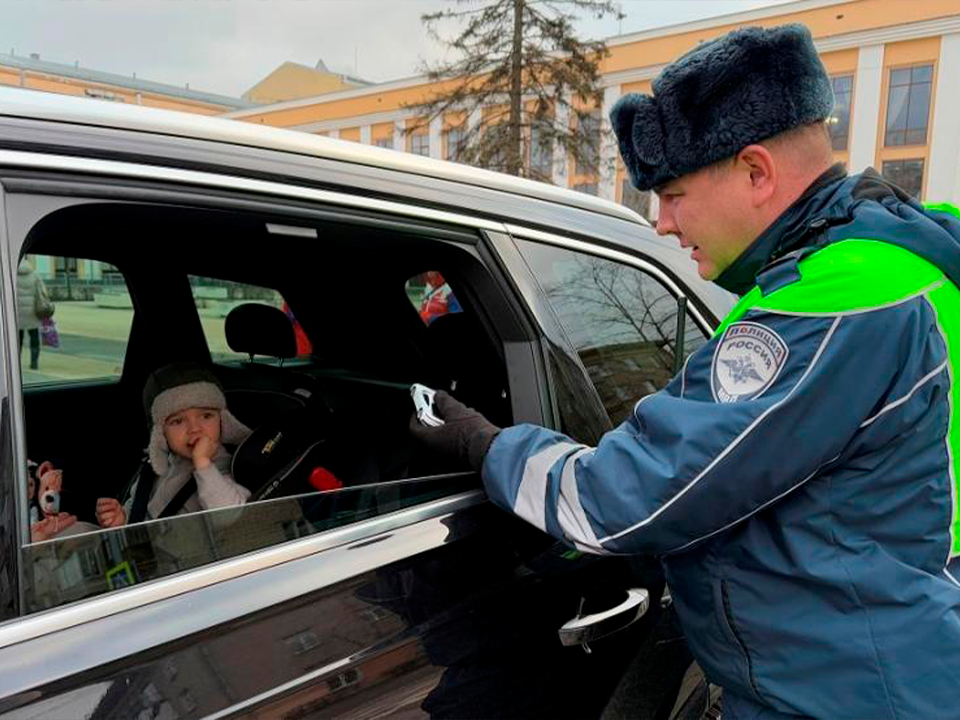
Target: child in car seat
[{"x": 190, "y": 424}]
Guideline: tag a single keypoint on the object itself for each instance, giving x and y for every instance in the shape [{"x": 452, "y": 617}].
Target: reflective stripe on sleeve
[
  {"x": 532, "y": 493},
  {"x": 570, "y": 514}
]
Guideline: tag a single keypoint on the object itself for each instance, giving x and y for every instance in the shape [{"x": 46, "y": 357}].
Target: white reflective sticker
[{"x": 746, "y": 362}]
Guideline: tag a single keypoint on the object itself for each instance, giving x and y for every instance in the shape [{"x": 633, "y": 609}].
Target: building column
[
  {"x": 607, "y": 188},
  {"x": 92, "y": 270},
  {"x": 44, "y": 266},
  {"x": 435, "y": 130},
  {"x": 365, "y": 134},
  {"x": 865, "y": 110},
  {"x": 559, "y": 152},
  {"x": 943, "y": 175},
  {"x": 399, "y": 139}
]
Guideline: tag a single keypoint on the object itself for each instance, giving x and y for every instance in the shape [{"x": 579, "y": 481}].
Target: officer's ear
[{"x": 759, "y": 170}]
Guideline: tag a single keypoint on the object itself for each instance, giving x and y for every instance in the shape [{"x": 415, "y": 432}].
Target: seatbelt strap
[
  {"x": 145, "y": 479},
  {"x": 180, "y": 499}
]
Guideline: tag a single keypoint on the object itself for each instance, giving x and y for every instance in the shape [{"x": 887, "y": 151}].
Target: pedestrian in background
[
  {"x": 32, "y": 301},
  {"x": 798, "y": 477}
]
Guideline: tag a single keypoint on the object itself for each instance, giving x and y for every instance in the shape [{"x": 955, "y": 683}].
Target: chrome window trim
[
  {"x": 522, "y": 233},
  {"x": 61, "y": 163},
  {"x": 31, "y": 627},
  {"x": 13, "y": 379}
]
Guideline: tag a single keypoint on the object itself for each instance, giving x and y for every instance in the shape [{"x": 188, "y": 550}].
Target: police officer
[{"x": 799, "y": 477}]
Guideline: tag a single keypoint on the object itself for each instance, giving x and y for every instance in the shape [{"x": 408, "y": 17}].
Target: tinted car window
[{"x": 621, "y": 320}]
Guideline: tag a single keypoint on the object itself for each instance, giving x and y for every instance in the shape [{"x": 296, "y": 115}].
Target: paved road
[{"x": 90, "y": 347}]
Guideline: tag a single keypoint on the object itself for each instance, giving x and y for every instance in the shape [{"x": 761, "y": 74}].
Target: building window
[
  {"x": 65, "y": 266},
  {"x": 344, "y": 679},
  {"x": 456, "y": 141},
  {"x": 589, "y": 161},
  {"x": 588, "y": 188},
  {"x": 541, "y": 154},
  {"x": 301, "y": 642},
  {"x": 420, "y": 144},
  {"x": 634, "y": 199},
  {"x": 384, "y": 142},
  {"x": 908, "y": 105},
  {"x": 839, "y": 122},
  {"x": 907, "y": 174}
]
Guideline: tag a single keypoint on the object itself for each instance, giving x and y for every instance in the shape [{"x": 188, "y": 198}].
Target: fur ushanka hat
[
  {"x": 175, "y": 387},
  {"x": 723, "y": 95}
]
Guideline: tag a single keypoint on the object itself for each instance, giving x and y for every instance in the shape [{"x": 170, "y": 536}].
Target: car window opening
[{"x": 314, "y": 348}]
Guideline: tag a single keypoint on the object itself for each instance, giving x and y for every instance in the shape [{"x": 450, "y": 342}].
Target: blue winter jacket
[{"x": 798, "y": 477}]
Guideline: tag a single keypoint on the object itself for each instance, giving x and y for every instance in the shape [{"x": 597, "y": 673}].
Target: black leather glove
[{"x": 465, "y": 435}]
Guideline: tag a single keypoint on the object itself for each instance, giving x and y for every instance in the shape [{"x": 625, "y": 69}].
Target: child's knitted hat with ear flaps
[
  {"x": 178, "y": 386},
  {"x": 741, "y": 88}
]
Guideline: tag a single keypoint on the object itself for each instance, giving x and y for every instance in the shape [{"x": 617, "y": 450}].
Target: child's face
[{"x": 184, "y": 428}]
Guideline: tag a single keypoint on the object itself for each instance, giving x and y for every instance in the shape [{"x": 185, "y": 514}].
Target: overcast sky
[{"x": 226, "y": 46}]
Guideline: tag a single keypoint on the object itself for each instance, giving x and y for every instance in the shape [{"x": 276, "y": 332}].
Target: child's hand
[
  {"x": 50, "y": 526},
  {"x": 203, "y": 451},
  {"x": 110, "y": 513}
]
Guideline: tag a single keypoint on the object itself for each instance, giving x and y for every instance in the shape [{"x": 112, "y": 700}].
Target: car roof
[{"x": 19, "y": 103}]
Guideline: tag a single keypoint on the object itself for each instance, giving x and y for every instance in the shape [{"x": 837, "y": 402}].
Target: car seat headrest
[{"x": 258, "y": 329}]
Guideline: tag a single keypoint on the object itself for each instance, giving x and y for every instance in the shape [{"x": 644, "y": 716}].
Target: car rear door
[{"x": 413, "y": 596}]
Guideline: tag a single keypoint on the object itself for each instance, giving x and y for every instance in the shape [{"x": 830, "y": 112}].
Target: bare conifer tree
[{"x": 519, "y": 84}]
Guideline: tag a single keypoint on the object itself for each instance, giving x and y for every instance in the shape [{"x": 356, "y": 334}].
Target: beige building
[
  {"x": 33, "y": 73},
  {"x": 893, "y": 63},
  {"x": 292, "y": 81}
]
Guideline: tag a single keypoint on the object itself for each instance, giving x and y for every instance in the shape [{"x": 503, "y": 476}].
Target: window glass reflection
[
  {"x": 65, "y": 570},
  {"x": 907, "y": 174}
]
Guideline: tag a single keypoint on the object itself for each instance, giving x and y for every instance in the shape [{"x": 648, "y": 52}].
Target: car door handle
[{"x": 584, "y": 629}]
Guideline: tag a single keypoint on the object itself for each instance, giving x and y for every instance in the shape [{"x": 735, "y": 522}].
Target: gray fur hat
[
  {"x": 175, "y": 387},
  {"x": 719, "y": 97}
]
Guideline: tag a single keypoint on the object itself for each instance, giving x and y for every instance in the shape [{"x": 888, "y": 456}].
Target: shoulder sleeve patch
[{"x": 746, "y": 362}]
